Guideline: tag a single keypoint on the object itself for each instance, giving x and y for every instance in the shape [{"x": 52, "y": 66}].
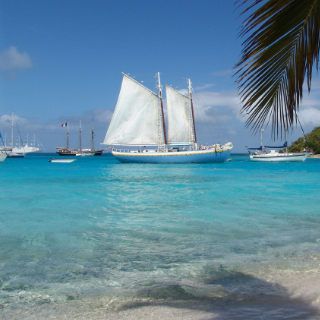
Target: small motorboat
[{"x": 62, "y": 160}]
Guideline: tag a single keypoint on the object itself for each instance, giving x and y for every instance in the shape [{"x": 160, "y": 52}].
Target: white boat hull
[
  {"x": 279, "y": 157},
  {"x": 192, "y": 156},
  {"x": 3, "y": 156},
  {"x": 12, "y": 154},
  {"x": 25, "y": 149},
  {"x": 62, "y": 160},
  {"x": 85, "y": 154}
]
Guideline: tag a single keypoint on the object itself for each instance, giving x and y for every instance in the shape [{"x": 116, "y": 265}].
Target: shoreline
[{"x": 288, "y": 294}]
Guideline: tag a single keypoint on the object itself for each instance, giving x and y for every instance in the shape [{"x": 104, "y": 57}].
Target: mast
[
  {"x": 92, "y": 139},
  {"x": 161, "y": 109},
  {"x": 261, "y": 139},
  {"x": 286, "y": 142},
  {"x": 67, "y": 136},
  {"x": 194, "y": 134},
  {"x": 80, "y": 136},
  {"x": 11, "y": 129}
]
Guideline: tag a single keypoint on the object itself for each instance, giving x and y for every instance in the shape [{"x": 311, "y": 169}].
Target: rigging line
[
  {"x": 19, "y": 134},
  {"x": 1, "y": 138},
  {"x": 194, "y": 101},
  {"x": 192, "y": 112},
  {"x": 139, "y": 83},
  {"x": 161, "y": 108},
  {"x": 304, "y": 135}
]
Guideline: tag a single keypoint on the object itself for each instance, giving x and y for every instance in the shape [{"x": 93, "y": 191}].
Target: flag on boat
[{"x": 65, "y": 124}]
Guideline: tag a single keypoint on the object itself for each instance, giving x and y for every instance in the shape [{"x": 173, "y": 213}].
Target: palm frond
[{"x": 281, "y": 44}]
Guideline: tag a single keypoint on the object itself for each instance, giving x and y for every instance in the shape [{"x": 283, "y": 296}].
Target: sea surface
[{"x": 239, "y": 240}]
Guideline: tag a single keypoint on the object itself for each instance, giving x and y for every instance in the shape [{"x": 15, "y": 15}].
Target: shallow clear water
[{"x": 97, "y": 227}]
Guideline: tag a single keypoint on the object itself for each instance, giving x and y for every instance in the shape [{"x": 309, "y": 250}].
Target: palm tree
[{"x": 280, "y": 49}]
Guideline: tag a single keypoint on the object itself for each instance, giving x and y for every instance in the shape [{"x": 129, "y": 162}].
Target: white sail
[
  {"x": 136, "y": 119},
  {"x": 180, "y": 120}
]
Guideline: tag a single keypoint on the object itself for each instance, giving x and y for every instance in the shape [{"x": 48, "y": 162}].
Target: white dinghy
[{"x": 62, "y": 160}]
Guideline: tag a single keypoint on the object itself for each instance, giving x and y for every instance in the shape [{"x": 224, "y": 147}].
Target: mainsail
[
  {"x": 137, "y": 117},
  {"x": 180, "y": 118}
]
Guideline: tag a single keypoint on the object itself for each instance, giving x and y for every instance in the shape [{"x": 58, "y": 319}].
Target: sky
[{"x": 63, "y": 61}]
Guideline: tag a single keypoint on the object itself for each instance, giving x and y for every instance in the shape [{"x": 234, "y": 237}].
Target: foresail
[
  {"x": 180, "y": 121},
  {"x": 136, "y": 118}
]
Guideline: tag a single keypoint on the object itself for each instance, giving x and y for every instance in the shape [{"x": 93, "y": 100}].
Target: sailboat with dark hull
[
  {"x": 66, "y": 151},
  {"x": 137, "y": 131}
]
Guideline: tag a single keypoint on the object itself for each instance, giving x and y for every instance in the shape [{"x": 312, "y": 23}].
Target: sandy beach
[{"x": 286, "y": 294}]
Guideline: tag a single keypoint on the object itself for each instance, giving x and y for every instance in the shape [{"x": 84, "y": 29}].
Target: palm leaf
[{"x": 281, "y": 44}]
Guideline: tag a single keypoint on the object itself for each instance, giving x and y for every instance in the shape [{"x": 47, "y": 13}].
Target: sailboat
[
  {"x": 24, "y": 149},
  {"x": 3, "y": 153},
  {"x": 20, "y": 150},
  {"x": 87, "y": 152},
  {"x": 137, "y": 132},
  {"x": 274, "y": 153},
  {"x": 66, "y": 151}
]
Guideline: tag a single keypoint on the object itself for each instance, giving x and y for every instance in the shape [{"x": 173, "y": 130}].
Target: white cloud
[
  {"x": 6, "y": 119},
  {"x": 102, "y": 115},
  {"x": 315, "y": 85},
  {"x": 310, "y": 116},
  {"x": 91, "y": 117},
  {"x": 213, "y": 107},
  {"x": 222, "y": 73},
  {"x": 205, "y": 86},
  {"x": 310, "y": 102},
  {"x": 12, "y": 59},
  {"x": 49, "y": 132},
  {"x": 309, "y": 113}
]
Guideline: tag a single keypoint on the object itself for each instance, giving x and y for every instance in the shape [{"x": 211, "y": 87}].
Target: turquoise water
[{"x": 213, "y": 232}]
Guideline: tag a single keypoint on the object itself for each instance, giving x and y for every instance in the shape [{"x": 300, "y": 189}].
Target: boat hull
[
  {"x": 15, "y": 155},
  {"x": 199, "y": 156},
  {"x": 25, "y": 149},
  {"x": 3, "y": 156},
  {"x": 62, "y": 160},
  {"x": 89, "y": 153},
  {"x": 279, "y": 158},
  {"x": 73, "y": 153}
]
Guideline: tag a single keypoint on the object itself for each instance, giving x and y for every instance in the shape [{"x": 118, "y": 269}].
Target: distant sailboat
[
  {"x": 88, "y": 151},
  {"x": 137, "y": 132},
  {"x": 274, "y": 153},
  {"x": 66, "y": 151},
  {"x": 20, "y": 150},
  {"x": 3, "y": 153},
  {"x": 26, "y": 147}
]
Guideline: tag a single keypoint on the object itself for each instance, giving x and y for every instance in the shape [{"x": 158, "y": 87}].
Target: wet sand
[{"x": 280, "y": 295}]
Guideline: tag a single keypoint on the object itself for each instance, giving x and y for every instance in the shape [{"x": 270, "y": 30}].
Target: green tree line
[{"x": 311, "y": 142}]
